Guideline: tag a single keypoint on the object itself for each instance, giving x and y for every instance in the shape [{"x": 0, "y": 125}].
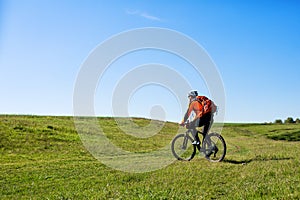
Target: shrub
[
  {"x": 278, "y": 121},
  {"x": 297, "y": 121},
  {"x": 289, "y": 120}
]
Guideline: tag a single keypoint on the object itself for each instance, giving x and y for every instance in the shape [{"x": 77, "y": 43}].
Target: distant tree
[
  {"x": 289, "y": 120},
  {"x": 278, "y": 121},
  {"x": 297, "y": 121}
]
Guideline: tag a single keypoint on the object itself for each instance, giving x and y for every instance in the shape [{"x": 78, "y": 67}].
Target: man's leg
[{"x": 207, "y": 121}]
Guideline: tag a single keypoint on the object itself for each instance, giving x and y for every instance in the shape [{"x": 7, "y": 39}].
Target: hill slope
[{"x": 44, "y": 158}]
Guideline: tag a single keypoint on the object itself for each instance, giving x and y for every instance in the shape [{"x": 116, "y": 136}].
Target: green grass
[{"x": 44, "y": 158}]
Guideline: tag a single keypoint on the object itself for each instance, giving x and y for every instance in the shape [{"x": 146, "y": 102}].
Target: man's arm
[{"x": 188, "y": 112}]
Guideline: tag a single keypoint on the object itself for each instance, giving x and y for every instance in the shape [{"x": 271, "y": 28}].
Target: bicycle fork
[{"x": 185, "y": 141}]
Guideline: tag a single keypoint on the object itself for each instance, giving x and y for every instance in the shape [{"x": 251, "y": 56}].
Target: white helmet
[{"x": 193, "y": 93}]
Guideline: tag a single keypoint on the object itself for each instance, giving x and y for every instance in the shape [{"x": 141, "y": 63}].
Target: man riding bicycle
[{"x": 203, "y": 114}]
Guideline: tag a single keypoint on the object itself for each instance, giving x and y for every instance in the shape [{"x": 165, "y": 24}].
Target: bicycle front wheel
[
  {"x": 182, "y": 147},
  {"x": 215, "y": 147}
]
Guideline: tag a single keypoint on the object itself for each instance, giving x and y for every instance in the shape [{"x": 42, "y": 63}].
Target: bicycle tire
[
  {"x": 214, "y": 146},
  {"x": 183, "y": 151}
]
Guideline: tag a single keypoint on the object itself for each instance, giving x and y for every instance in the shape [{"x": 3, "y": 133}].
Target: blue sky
[{"x": 254, "y": 44}]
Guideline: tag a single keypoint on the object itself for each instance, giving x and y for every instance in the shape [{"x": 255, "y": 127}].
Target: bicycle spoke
[
  {"x": 215, "y": 147},
  {"x": 182, "y": 147}
]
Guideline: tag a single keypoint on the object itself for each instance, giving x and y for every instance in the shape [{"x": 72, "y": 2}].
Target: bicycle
[{"x": 213, "y": 146}]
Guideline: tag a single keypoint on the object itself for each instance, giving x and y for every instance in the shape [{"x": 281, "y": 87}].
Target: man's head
[{"x": 193, "y": 94}]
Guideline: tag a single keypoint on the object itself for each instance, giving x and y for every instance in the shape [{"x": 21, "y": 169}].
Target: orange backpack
[{"x": 208, "y": 105}]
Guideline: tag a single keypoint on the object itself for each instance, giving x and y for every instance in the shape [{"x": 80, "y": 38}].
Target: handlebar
[{"x": 184, "y": 124}]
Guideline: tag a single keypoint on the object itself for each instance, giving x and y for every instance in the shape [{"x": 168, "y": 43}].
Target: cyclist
[{"x": 200, "y": 119}]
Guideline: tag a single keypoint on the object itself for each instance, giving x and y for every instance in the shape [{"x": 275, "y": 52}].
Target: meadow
[{"x": 43, "y": 157}]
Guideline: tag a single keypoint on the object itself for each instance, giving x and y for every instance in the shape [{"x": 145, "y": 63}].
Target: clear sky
[{"x": 254, "y": 44}]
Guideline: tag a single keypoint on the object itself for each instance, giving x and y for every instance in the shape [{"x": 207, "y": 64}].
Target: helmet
[{"x": 193, "y": 93}]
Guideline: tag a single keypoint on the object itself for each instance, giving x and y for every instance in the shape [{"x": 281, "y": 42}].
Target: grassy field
[{"x": 43, "y": 158}]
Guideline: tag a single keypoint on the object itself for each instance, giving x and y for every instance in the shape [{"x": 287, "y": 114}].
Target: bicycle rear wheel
[
  {"x": 214, "y": 147},
  {"x": 182, "y": 147}
]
